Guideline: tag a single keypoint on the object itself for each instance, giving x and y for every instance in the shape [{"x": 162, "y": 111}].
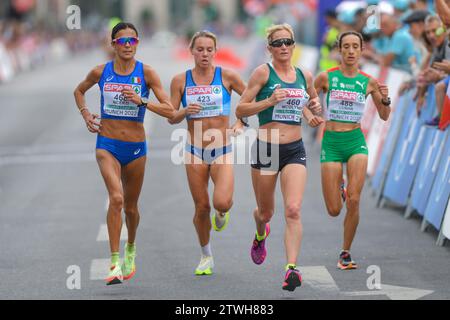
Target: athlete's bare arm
[
  {"x": 176, "y": 94},
  {"x": 92, "y": 78},
  {"x": 237, "y": 85},
  {"x": 379, "y": 92},
  {"x": 321, "y": 83},
  {"x": 247, "y": 106},
  {"x": 164, "y": 108}
]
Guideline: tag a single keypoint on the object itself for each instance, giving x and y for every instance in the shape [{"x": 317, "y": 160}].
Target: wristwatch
[
  {"x": 244, "y": 121},
  {"x": 386, "y": 102},
  {"x": 144, "y": 102}
]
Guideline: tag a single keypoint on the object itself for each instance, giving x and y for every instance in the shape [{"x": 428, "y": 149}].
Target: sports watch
[{"x": 144, "y": 102}]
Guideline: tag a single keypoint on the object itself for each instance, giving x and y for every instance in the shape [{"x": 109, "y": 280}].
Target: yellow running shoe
[
  {"x": 115, "y": 275},
  {"x": 220, "y": 222},
  {"x": 205, "y": 266},
  {"x": 128, "y": 265}
]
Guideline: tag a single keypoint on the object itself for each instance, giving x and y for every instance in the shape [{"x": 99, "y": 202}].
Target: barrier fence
[{"x": 409, "y": 161}]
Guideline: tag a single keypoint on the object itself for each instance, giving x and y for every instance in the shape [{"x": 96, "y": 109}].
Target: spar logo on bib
[
  {"x": 119, "y": 87},
  {"x": 200, "y": 90},
  {"x": 295, "y": 93},
  {"x": 347, "y": 95},
  {"x": 217, "y": 90}
]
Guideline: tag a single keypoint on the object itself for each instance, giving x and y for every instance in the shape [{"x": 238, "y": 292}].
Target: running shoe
[
  {"x": 258, "y": 251},
  {"x": 292, "y": 279},
  {"x": 345, "y": 261},
  {"x": 433, "y": 122},
  {"x": 343, "y": 191},
  {"x": 220, "y": 222},
  {"x": 205, "y": 266},
  {"x": 115, "y": 275},
  {"x": 128, "y": 265}
]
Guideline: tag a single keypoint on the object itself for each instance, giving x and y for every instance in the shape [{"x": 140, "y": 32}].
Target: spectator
[
  {"x": 398, "y": 45},
  {"x": 328, "y": 50},
  {"x": 436, "y": 35}
]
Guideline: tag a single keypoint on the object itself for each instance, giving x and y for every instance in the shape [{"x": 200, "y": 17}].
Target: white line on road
[
  {"x": 319, "y": 278},
  {"x": 99, "y": 269}
]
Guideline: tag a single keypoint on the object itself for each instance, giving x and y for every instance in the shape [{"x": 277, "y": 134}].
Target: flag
[{"x": 445, "y": 115}]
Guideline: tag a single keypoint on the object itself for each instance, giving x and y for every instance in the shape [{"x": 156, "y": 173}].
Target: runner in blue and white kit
[
  {"x": 205, "y": 93},
  {"x": 121, "y": 147}
]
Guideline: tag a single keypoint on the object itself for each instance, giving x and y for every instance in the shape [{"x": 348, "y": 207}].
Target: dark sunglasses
[
  {"x": 279, "y": 42},
  {"x": 123, "y": 41}
]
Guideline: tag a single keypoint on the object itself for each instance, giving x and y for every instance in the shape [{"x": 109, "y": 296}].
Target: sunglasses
[
  {"x": 123, "y": 41},
  {"x": 279, "y": 42}
]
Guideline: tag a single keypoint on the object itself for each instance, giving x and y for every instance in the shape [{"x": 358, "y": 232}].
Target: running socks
[
  {"x": 115, "y": 258},
  {"x": 206, "y": 250},
  {"x": 261, "y": 238}
]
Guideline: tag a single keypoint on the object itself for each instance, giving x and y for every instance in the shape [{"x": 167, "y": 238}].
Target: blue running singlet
[
  {"x": 214, "y": 98},
  {"x": 113, "y": 104}
]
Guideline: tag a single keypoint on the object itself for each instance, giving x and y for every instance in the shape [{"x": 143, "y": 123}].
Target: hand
[
  {"x": 278, "y": 95},
  {"x": 383, "y": 89},
  {"x": 131, "y": 95},
  {"x": 405, "y": 86},
  {"x": 193, "y": 109},
  {"x": 314, "y": 106},
  {"x": 92, "y": 125},
  {"x": 432, "y": 75},
  {"x": 442, "y": 66},
  {"x": 237, "y": 128},
  {"x": 315, "y": 121},
  {"x": 419, "y": 104}
]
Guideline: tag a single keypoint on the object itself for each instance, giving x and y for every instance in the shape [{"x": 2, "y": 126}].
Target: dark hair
[
  {"x": 122, "y": 26},
  {"x": 348, "y": 33}
]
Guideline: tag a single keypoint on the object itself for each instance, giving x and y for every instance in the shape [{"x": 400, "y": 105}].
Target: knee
[
  {"x": 334, "y": 211},
  {"x": 353, "y": 201},
  {"x": 131, "y": 210},
  {"x": 223, "y": 205},
  {"x": 116, "y": 201},
  {"x": 202, "y": 209},
  {"x": 265, "y": 215},
  {"x": 293, "y": 211}
]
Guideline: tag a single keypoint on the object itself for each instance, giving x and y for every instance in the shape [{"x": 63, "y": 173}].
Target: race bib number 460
[
  {"x": 115, "y": 103},
  {"x": 209, "y": 97},
  {"x": 291, "y": 109}
]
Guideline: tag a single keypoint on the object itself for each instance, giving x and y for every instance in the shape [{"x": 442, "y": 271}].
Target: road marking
[
  {"x": 103, "y": 233},
  {"x": 99, "y": 269},
  {"x": 319, "y": 278},
  {"x": 394, "y": 292}
]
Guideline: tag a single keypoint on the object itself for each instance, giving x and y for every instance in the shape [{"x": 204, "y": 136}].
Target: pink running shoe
[{"x": 258, "y": 251}]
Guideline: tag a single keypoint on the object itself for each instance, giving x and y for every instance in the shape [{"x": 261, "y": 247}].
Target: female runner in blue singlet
[
  {"x": 121, "y": 147},
  {"x": 205, "y": 93}
]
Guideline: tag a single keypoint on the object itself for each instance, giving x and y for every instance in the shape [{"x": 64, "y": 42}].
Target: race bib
[
  {"x": 291, "y": 109},
  {"x": 346, "y": 106},
  {"x": 209, "y": 97},
  {"x": 114, "y": 100}
]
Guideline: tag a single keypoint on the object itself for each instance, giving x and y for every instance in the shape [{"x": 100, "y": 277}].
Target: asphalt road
[{"x": 52, "y": 214}]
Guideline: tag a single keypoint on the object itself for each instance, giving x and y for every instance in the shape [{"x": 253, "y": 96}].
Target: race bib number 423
[
  {"x": 209, "y": 97},
  {"x": 115, "y": 103}
]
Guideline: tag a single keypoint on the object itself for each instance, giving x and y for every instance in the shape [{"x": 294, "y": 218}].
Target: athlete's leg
[
  {"x": 198, "y": 177},
  {"x": 331, "y": 181},
  {"x": 264, "y": 183},
  {"x": 356, "y": 171},
  {"x": 132, "y": 180},
  {"x": 111, "y": 171},
  {"x": 293, "y": 181},
  {"x": 222, "y": 175}
]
